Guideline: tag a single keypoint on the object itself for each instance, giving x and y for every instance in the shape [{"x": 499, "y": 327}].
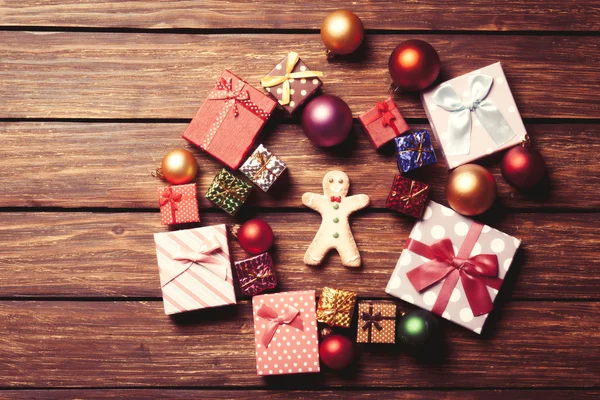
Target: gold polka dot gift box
[
  {"x": 474, "y": 115},
  {"x": 453, "y": 266},
  {"x": 291, "y": 82}
]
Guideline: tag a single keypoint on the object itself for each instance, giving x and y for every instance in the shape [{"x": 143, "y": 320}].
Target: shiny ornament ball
[
  {"x": 336, "y": 351},
  {"x": 523, "y": 167},
  {"x": 179, "y": 166},
  {"x": 327, "y": 120},
  {"x": 471, "y": 189},
  {"x": 414, "y": 65},
  {"x": 255, "y": 236},
  {"x": 417, "y": 328},
  {"x": 342, "y": 32}
]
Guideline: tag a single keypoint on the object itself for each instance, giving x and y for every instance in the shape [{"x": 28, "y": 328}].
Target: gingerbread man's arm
[
  {"x": 313, "y": 200},
  {"x": 357, "y": 202}
]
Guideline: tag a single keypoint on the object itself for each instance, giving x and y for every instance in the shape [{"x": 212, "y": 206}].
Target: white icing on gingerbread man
[{"x": 335, "y": 208}]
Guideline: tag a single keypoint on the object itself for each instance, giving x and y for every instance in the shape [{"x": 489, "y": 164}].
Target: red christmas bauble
[
  {"x": 414, "y": 65},
  {"x": 336, "y": 351},
  {"x": 255, "y": 236},
  {"x": 523, "y": 167}
]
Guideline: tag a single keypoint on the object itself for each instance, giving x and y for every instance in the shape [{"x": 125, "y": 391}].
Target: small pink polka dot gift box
[
  {"x": 178, "y": 204},
  {"x": 285, "y": 333},
  {"x": 453, "y": 266},
  {"x": 473, "y": 115}
]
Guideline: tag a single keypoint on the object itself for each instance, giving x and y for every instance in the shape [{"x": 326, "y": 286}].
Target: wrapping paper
[
  {"x": 195, "y": 269},
  {"x": 376, "y": 322},
  {"x": 301, "y": 81},
  {"x": 228, "y": 192},
  {"x": 178, "y": 204},
  {"x": 414, "y": 150},
  {"x": 336, "y": 307},
  {"x": 285, "y": 329},
  {"x": 383, "y": 123},
  {"x": 440, "y": 224},
  {"x": 229, "y": 120},
  {"x": 481, "y": 143},
  {"x": 256, "y": 274},
  {"x": 263, "y": 168},
  {"x": 408, "y": 197}
]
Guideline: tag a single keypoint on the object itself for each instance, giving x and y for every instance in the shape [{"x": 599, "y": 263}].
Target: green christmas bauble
[{"x": 417, "y": 328}]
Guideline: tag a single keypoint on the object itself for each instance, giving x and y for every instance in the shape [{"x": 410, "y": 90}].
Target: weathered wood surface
[
  {"x": 253, "y": 394},
  {"x": 112, "y": 255},
  {"x": 118, "y": 344},
  {"x": 481, "y": 15},
  {"x": 126, "y": 75},
  {"x": 108, "y": 165}
]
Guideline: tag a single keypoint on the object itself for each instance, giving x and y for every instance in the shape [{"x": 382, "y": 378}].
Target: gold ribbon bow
[
  {"x": 408, "y": 197},
  {"x": 260, "y": 158},
  {"x": 274, "y": 80},
  {"x": 420, "y": 150},
  {"x": 336, "y": 306}
]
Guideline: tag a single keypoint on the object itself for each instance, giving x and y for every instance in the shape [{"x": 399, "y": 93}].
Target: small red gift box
[
  {"x": 383, "y": 123},
  {"x": 408, "y": 196},
  {"x": 178, "y": 204},
  {"x": 229, "y": 120}
]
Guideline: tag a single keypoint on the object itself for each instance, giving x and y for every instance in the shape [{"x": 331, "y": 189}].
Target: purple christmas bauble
[{"x": 327, "y": 120}]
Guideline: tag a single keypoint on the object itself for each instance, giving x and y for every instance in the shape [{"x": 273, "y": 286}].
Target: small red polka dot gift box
[
  {"x": 178, "y": 204},
  {"x": 195, "y": 269},
  {"x": 383, "y": 123},
  {"x": 473, "y": 115},
  {"x": 285, "y": 333},
  {"x": 229, "y": 120},
  {"x": 408, "y": 197},
  {"x": 376, "y": 322},
  {"x": 291, "y": 82},
  {"x": 453, "y": 266},
  {"x": 256, "y": 274}
]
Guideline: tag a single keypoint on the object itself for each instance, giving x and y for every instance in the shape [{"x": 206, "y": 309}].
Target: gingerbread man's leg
[
  {"x": 317, "y": 250},
  {"x": 349, "y": 252}
]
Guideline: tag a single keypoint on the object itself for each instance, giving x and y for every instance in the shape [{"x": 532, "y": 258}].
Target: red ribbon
[
  {"x": 383, "y": 110},
  {"x": 337, "y": 199},
  {"x": 168, "y": 197},
  {"x": 475, "y": 273},
  {"x": 290, "y": 316},
  {"x": 224, "y": 90}
]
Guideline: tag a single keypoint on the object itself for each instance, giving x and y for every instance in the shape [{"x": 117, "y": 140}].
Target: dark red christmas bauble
[
  {"x": 255, "y": 236},
  {"x": 336, "y": 351},
  {"x": 523, "y": 167},
  {"x": 414, "y": 65},
  {"x": 327, "y": 120}
]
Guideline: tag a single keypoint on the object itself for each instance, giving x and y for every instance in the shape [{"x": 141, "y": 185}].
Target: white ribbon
[{"x": 458, "y": 141}]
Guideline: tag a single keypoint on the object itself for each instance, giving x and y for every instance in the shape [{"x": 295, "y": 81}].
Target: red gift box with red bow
[
  {"x": 383, "y": 123},
  {"x": 178, "y": 204},
  {"x": 229, "y": 120}
]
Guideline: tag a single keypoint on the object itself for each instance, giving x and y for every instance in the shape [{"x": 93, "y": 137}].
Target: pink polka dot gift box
[
  {"x": 285, "y": 332},
  {"x": 473, "y": 115},
  {"x": 195, "y": 269},
  {"x": 453, "y": 266},
  {"x": 178, "y": 204}
]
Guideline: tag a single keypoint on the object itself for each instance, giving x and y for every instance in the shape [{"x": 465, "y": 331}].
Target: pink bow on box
[
  {"x": 475, "y": 273},
  {"x": 290, "y": 316},
  {"x": 202, "y": 256}
]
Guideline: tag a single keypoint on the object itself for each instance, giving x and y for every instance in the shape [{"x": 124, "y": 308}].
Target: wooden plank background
[{"x": 94, "y": 93}]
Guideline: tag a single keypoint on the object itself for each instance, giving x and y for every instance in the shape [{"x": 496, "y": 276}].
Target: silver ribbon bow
[{"x": 458, "y": 141}]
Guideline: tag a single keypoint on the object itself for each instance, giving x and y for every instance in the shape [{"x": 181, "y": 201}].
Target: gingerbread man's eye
[
  {"x": 341, "y": 181},
  {"x": 330, "y": 180}
]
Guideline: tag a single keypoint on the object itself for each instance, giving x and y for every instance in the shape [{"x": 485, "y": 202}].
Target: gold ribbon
[
  {"x": 226, "y": 192},
  {"x": 411, "y": 195},
  {"x": 274, "y": 80},
  {"x": 256, "y": 276},
  {"x": 419, "y": 150},
  {"x": 258, "y": 156}
]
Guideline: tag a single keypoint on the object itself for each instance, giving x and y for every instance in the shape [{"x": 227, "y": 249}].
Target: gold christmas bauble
[
  {"x": 179, "y": 166},
  {"x": 471, "y": 189},
  {"x": 342, "y": 32}
]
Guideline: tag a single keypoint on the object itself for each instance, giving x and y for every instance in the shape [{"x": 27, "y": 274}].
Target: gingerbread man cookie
[{"x": 335, "y": 208}]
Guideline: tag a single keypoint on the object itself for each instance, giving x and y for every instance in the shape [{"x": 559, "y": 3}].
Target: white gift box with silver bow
[{"x": 473, "y": 115}]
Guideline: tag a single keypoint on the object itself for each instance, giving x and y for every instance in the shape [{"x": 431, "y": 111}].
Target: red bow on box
[
  {"x": 335, "y": 199},
  {"x": 290, "y": 316},
  {"x": 168, "y": 197},
  {"x": 475, "y": 273},
  {"x": 383, "y": 110}
]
